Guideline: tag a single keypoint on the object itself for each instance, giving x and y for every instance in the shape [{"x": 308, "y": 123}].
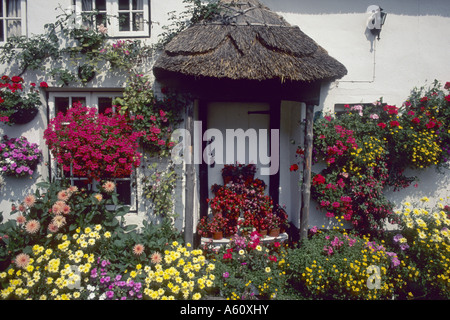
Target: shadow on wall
[
  {"x": 400, "y": 7},
  {"x": 431, "y": 184}
]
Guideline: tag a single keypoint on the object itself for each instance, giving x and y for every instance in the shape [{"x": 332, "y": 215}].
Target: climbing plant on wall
[{"x": 368, "y": 148}]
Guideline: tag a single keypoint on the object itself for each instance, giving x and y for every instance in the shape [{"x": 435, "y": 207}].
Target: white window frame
[
  {"x": 22, "y": 19},
  {"x": 91, "y": 101},
  {"x": 112, "y": 12}
]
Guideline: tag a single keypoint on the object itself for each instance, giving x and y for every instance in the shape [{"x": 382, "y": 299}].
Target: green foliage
[{"x": 158, "y": 187}]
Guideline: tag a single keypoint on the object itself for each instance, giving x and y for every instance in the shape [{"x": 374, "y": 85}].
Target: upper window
[
  {"x": 12, "y": 19},
  {"x": 123, "y": 18}
]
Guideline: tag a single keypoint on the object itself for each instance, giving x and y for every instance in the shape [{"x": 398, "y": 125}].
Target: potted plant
[
  {"x": 228, "y": 173},
  {"x": 273, "y": 224},
  {"x": 18, "y": 157},
  {"x": 212, "y": 226},
  {"x": 18, "y": 104}
]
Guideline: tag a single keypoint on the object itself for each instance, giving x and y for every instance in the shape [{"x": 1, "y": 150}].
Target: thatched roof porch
[{"x": 248, "y": 53}]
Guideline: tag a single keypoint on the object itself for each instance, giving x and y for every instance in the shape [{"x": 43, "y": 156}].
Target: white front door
[{"x": 239, "y": 119}]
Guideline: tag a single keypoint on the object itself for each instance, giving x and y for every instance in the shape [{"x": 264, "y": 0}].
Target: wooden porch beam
[
  {"x": 190, "y": 181},
  {"x": 306, "y": 185}
]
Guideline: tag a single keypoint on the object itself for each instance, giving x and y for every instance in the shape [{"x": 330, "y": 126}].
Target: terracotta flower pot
[
  {"x": 263, "y": 233},
  {"x": 274, "y": 232},
  {"x": 217, "y": 235}
]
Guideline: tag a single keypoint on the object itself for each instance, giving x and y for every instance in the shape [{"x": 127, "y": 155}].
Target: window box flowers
[
  {"x": 18, "y": 157},
  {"x": 93, "y": 145},
  {"x": 19, "y": 104}
]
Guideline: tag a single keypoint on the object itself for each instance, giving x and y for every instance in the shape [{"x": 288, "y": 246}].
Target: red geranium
[
  {"x": 394, "y": 123},
  {"x": 318, "y": 179}
]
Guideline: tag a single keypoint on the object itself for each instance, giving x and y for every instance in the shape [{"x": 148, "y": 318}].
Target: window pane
[
  {"x": 138, "y": 21},
  {"x": 14, "y": 28},
  {"x": 86, "y": 5},
  {"x": 104, "y": 103},
  {"x": 82, "y": 100},
  {"x": 13, "y": 8},
  {"x": 123, "y": 188},
  {"x": 124, "y": 5},
  {"x": 2, "y": 33},
  {"x": 124, "y": 22},
  {"x": 1, "y": 8},
  {"x": 61, "y": 104},
  {"x": 138, "y": 4},
  {"x": 100, "y": 5},
  {"x": 100, "y": 19}
]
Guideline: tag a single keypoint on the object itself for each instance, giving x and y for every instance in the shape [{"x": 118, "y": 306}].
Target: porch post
[
  {"x": 190, "y": 181},
  {"x": 306, "y": 185}
]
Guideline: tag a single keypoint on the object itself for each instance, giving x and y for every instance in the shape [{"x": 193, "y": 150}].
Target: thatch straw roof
[{"x": 247, "y": 41}]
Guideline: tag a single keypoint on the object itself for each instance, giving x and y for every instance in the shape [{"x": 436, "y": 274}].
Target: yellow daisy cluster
[
  {"x": 371, "y": 151},
  {"x": 350, "y": 277},
  {"x": 57, "y": 274},
  {"x": 430, "y": 233},
  {"x": 425, "y": 150},
  {"x": 181, "y": 274}
]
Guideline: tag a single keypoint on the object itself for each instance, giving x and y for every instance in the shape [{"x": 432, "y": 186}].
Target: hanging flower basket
[
  {"x": 86, "y": 73},
  {"x": 23, "y": 116},
  {"x": 19, "y": 104},
  {"x": 18, "y": 157}
]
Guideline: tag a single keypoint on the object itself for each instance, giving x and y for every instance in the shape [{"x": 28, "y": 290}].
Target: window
[
  {"x": 61, "y": 102},
  {"x": 342, "y": 108},
  {"x": 123, "y": 18},
  {"x": 12, "y": 19}
]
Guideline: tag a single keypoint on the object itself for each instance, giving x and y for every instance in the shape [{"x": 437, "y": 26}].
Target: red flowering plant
[
  {"x": 93, "y": 145},
  {"x": 227, "y": 201},
  {"x": 245, "y": 204},
  {"x": 154, "y": 117},
  {"x": 18, "y": 100},
  {"x": 210, "y": 225},
  {"x": 238, "y": 173},
  {"x": 427, "y": 112}
]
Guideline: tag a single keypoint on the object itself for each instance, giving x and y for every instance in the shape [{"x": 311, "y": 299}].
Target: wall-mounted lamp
[{"x": 376, "y": 19}]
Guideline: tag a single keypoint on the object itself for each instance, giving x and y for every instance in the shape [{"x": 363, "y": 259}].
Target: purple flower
[
  {"x": 225, "y": 274},
  {"x": 109, "y": 294},
  {"x": 404, "y": 246},
  {"x": 397, "y": 237}
]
